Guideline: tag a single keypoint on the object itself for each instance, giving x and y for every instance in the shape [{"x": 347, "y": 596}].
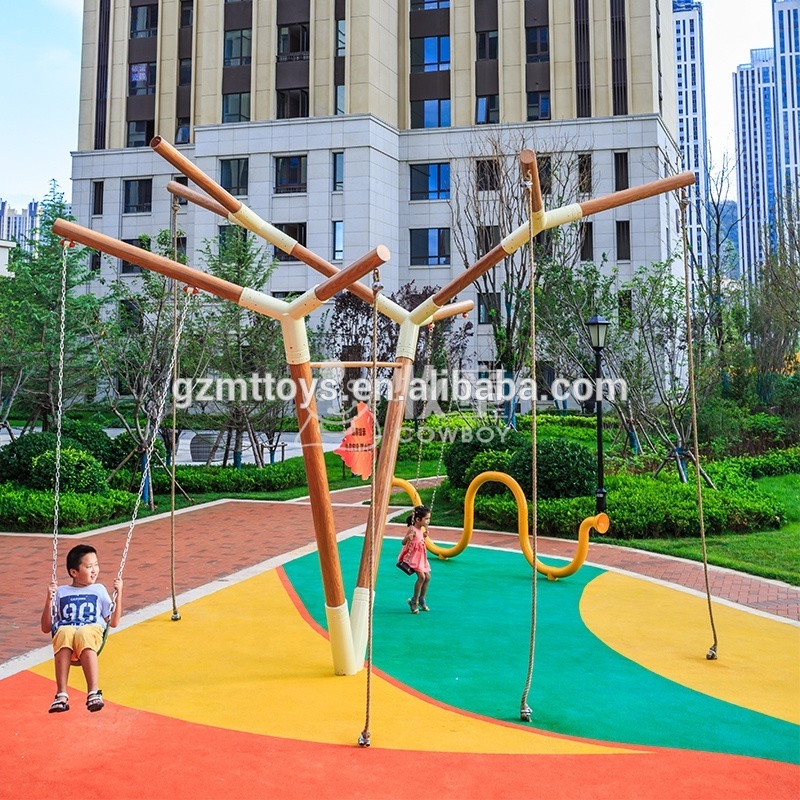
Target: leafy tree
[{"x": 30, "y": 300}]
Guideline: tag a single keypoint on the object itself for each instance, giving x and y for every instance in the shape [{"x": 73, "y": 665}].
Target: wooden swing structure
[{"x": 348, "y": 631}]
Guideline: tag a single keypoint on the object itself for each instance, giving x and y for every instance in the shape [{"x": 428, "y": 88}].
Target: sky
[{"x": 40, "y": 51}]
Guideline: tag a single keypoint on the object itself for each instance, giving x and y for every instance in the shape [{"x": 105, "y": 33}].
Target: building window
[
  {"x": 585, "y": 173},
  {"x": 430, "y": 113},
  {"x": 430, "y": 246},
  {"x": 338, "y": 240},
  {"x": 184, "y": 181},
  {"x": 537, "y": 44},
  {"x": 140, "y": 132},
  {"x": 238, "y": 48},
  {"x": 583, "y": 66},
  {"x": 297, "y": 231},
  {"x": 488, "y": 306},
  {"x": 127, "y": 267},
  {"x": 341, "y": 37},
  {"x": 430, "y": 181},
  {"x": 138, "y": 196},
  {"x": 338, "y": 172},
  {"x": 620, "y": 171},
  {"x": 185, "y": 72},
  {"x": 623, "y": 240},
  {"x": 488, "y": 237},
  {"x": 142, "y": 79},
  {"x": 430, "y": 54},
  {"x": 487, "y": 46},
  {"x": 487, "y": 109},
  {"x": 293, "y": 103},
  {"x": 428, "y": 5},
  {"x": 182, "y": 130},
  {"x": 97, "y": 198},
  {"x": 625, "y": 308},
  {"x": 538, "y": 106},
  {"x": 619, "y": 58},
  {"x": 233, "y": 175},
  {"x": 545, "y": 167},
  {"x": 339, "y": 100},
  {"x": 236, "y": 107},
  {"x": 293, "y": 42},
  {"x": 290, "y": 174},
  {"x": 230, "y": 234},
  {"x": 187, "y": 13},
  {"x": 487, "y": 175},
  {"x": 587, "y": 241},
  {"x": 144, "y": 21},
  {"x": 95, "y": 262}
]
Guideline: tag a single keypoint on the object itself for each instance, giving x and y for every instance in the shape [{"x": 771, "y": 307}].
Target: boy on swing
[{"x": 82, "y": 609}]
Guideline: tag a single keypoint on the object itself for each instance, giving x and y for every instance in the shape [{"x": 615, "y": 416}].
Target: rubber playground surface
[{"x": 238, "y": 699}]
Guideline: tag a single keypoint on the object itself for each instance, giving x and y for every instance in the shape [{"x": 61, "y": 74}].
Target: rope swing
[
  {"x": 377, "y": 287},
  {"x": 711, "y": 655},
  {"x": 525, "y": 711}
]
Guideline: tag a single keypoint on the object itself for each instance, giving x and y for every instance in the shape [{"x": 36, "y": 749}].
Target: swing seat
[{"x": 74, "y": 662}]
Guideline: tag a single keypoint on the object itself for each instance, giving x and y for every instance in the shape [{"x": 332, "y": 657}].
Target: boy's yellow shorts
[{"x": 78, "y": 639}]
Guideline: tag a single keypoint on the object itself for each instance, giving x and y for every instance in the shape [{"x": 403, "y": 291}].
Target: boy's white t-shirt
[{"x": 82, "y": 605}]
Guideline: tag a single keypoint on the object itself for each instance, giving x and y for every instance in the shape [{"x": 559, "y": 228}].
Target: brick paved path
[{"x": 221, "y": 538}]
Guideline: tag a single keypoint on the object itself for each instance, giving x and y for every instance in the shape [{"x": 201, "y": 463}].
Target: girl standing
[{"x": 415, "y": 553}]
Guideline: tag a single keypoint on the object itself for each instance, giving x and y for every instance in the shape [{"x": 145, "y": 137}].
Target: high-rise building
[
  {"x": 20, "y": 226},
  {"x": 692, "y": 136},
  {"x": 347, "y": 124},
  {"x": 767, "y": 102},
  {"x": 786, "y": 32},
  {"x": 754, "y": 105}
]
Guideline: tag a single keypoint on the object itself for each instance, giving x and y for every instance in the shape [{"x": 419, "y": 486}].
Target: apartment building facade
[
  {"x": 692, "y": 133},
  {"x": 347, "y": 123}
]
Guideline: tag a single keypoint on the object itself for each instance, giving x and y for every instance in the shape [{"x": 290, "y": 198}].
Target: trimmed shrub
[
  {"x": 123, "y": 444},
  {"x": 32, "y": 510},
  {"x": 459, "y": 455},
  {"x": 564, "y": 469},
  {"x": 204, "y": 480},
  {"x": 489, "y": 461},
  {"x": 92, "y": 438},
  {"x": 16, "y": 458},
  {"x": 80, "y": 472},
  {"x": 775, "y": 462}
]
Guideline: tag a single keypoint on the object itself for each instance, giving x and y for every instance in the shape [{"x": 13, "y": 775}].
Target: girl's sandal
[
  {"x": 94, "y": 701},
  {"x": 61, "y": 703},
  {"x": 413, "y": 606},
  {"x": 423, "y": 606}
]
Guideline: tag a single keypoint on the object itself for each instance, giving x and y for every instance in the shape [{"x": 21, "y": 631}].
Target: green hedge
[
  {"x": 79, "y": 472},
  {"x": 640, "y": 507},
  {"x": 16, "y": 458},
  {"x": 32, "y": 510},
  {"x": 202, "y": 479}
]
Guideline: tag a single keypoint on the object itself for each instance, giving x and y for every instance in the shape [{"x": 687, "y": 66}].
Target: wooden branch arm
[
  {"x": 198, "y": 198},
  {"x": 527, "y": 162},
  {"x": 636, "y": 193},
  {"x": 143, "y": 258},
  {"x": 345, "y": 278},
  {"x": 194, "y": 173},
  {"x": 460, "y": 282},
  {"x": 451, "y": 309}
]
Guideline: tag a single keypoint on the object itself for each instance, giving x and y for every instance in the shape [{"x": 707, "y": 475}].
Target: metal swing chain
[
  {"x": 151, "y": 444},
  {"x": 175, "y": 613},
  {"x": 377, "y": 287},
  {"x": 65, "y": 245},
  {"x": 525, "y": 711},
  {"x": 711, "y": 655}
]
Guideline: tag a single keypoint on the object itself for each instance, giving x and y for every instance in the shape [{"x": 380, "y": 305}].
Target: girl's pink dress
[{"x": 415, "y": 552}]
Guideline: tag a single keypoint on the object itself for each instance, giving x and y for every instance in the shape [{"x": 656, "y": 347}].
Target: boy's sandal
[
  {"x": 94, "y": 701},
  {"x": 61, "y": 703},
  {"x": 413, "y": 606}
]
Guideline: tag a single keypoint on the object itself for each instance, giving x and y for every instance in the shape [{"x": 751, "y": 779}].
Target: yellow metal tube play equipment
[{"x": 599, "y": 522}]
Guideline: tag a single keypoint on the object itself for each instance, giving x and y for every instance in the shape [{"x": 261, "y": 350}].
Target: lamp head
[{"x": 598, "y": 326}]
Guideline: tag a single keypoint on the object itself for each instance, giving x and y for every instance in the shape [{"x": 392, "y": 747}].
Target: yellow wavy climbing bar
[{"x": 599, "y": 522}]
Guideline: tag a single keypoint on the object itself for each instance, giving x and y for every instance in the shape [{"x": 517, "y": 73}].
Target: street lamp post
[{"x": 598, "y": 326}]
